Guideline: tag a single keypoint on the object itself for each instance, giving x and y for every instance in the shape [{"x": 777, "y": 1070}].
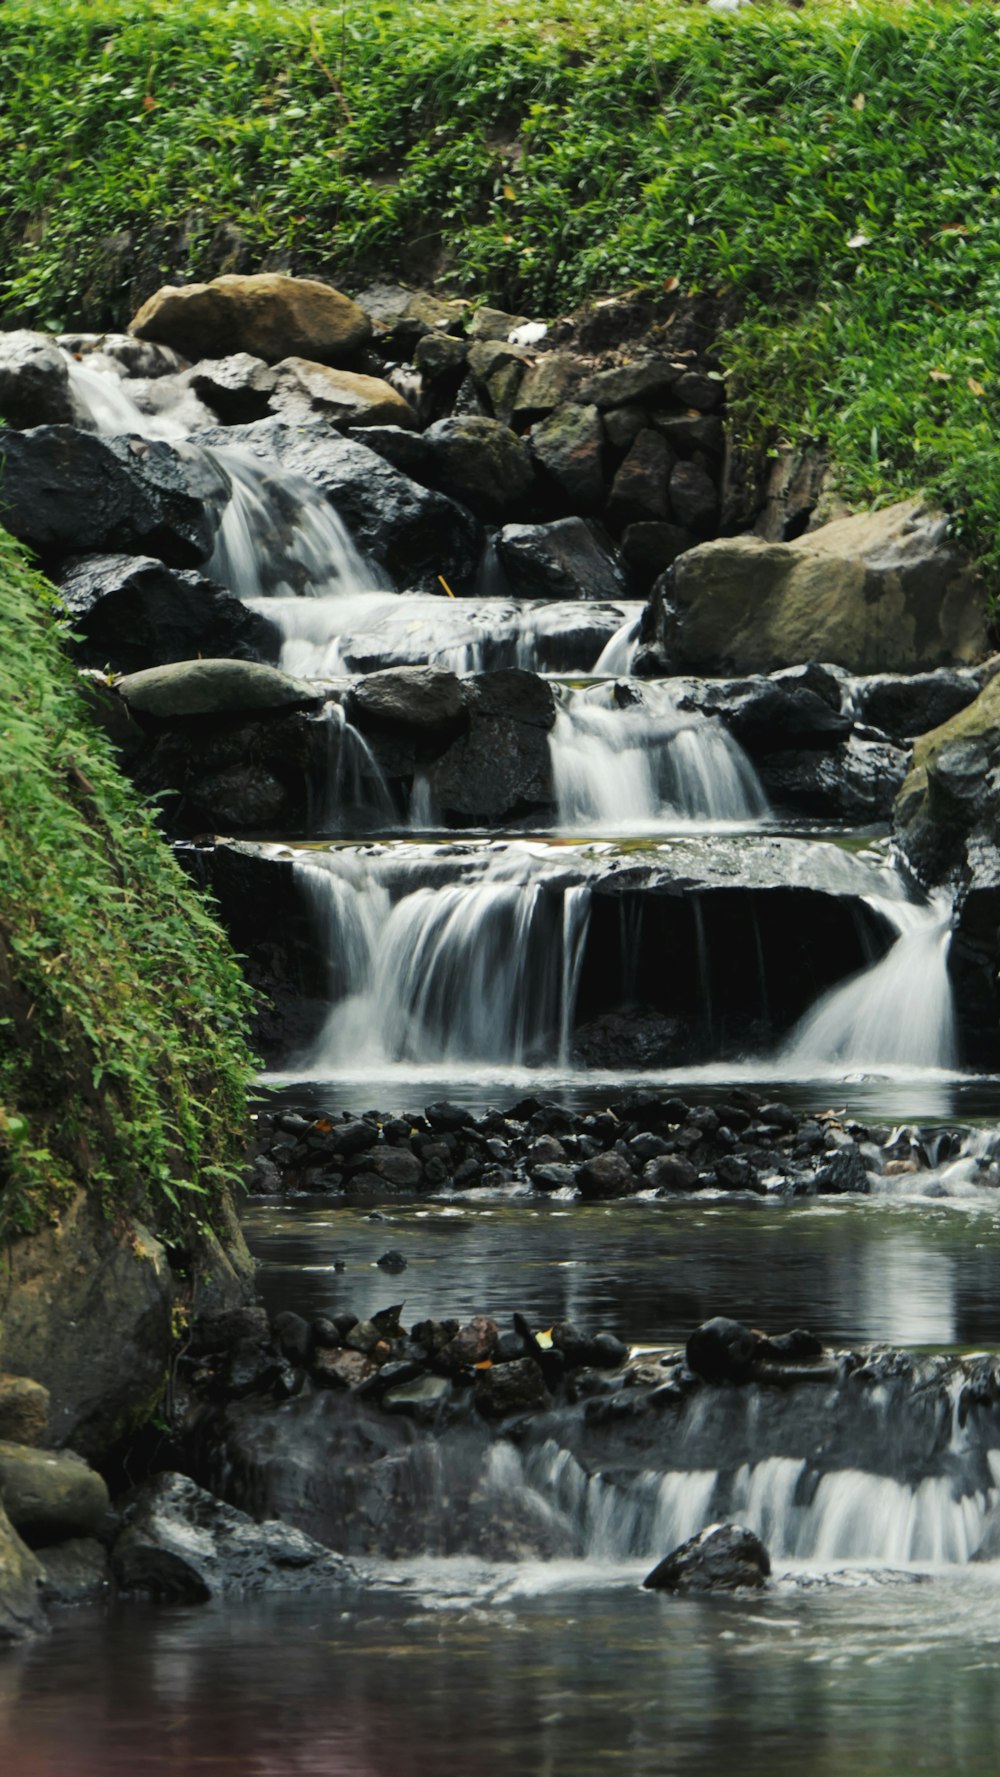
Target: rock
[
  {"x": 70, "y": 492},
  {"x": 179, "y": 1542},
  {"x": 423, "y": 1396},
  {"x": 480, "y": 463},
  {"x": 569, "y": 559},
  {"x": 391, "y": 1262},
  {"x": 21, "y": 1575},
  {"x": 844, "y": 1172},
  {"x": 649, "y": 548},
  {"x": 213, "y": 688},
  {"x": 605, "y": 1176},
  {"x": 903, "y": 706},
  {"x": 771, "y": 715},
  {"x": 237, "y": 388},
  {"x": 694, "y": 388},
  {"x": 857, "y": 782},
  {"x": 411, "y": 532},
  {"x": 489, "y": 323},
  {"x": 132, "y": 612},
  {"x": 722, "y": 1350},
  {"x": 129, "y": 356},
  {"x": 75, "y": 1572},
  {"x": 645, "y": 381},
  {"x": 796, "y": 1347},
  {"x": 266, "y": 314},
  {"x": 515, "y": 1387},
  {"x": 426, "y": 698},
  {"x": 501, "y": 769},
  {"x": 947, "y": 807},
  {"x": 723, "y": 1558},
  {"x": 302, "y": 391},
  {"x": 341, "y": 1369},
  {"x": 878, "y": 590},
  {"x": 396, "y": 1167},
  {"x": 402, "y": 316},
  {"x": 24, "y": 1410},
  {"x": 632, "y": 1037},
  {"x": 34, "y": 382},
  {"x": 497, "y": 370},
  {"x": 87, "y": 1310},
  {"x": 568, "y": 446},
  {"x": 50, "y": 1494},
  {"x": 669, "y": 1172},
  {"x": 551, "y": 383},
  {"x": 639, "y": 492},
  {"x": 440, "y": 358},
  {"x": 475, "y": 1343},
  {"x": 694, "y": 500}
]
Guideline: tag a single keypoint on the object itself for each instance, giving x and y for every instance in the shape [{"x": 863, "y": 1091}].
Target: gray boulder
[
  {"x": 34, "y": 381},
  {"x": 179, "y": 1542},
  {"x": 722, "y": 1558},
  {"x": 568, "y": 447},
  {"x": 131, "y": 612},
  {"x": 568, "y": 559},
  {"x": 480, "y": 463},
  {"x": 213, "y": 688},
  {"x": 422, "y": 697}
]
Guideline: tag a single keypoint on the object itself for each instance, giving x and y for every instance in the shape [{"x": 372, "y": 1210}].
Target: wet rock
[
  {"x": 515, "y": 1387},
  {"x": 771, "y": 715},
  {"x": 413, "y": 533},
  {"x": 179, "y": 1542},
  {"x": 722, "y": 1350},
  {"x": 417, "y": 1399},
  {"x": 266, "y": 314},
  {"x": 552, "y": 383},
  {"x": 605, "y": 1176},
  {"x": 131, "y": 612},
  {"x": 50, "y": 1494},
  {"x": 440, "y": 358},
  {"x": 887, "y": 589},
  {"x": 844, "y": 1172},
  {"x": 553, "y": 1176},
  {"x": 905, "y": 705},
  {"x": 213, "y": 688},
  {"x": 946, "y": 812},
  {"x": 237, "y": 388},
  {"x": 480, "y": 463},
  {"x": 293, "y": 1336},
  {"x": 402, "y": 316},
  {"x": 645, "y": 381},
  {"x": 568, "y": 446},
  {"x": 857, "y": 782},
  {"x": 631, "y": 1037},
  {"x": 75, "y": 1572},
  {"x": 70, "y": 492},
  {"x": 671, "y": 1172},
  {"x": 21, "y": 1575},
  {"x": 393, "y": 1262},
  {"x": 341, "y": 1369},
  {"x": 34, "y": 382},
  {"x": 396, "y": 1167},
  {"x": 474, "y": 1343},
  {"x": 723, "y": 1558},
  {"x": 694, "y": 499},
  {"x": 421, "y": 697},
  {"x": 735, "y": 1173},
  {"x": 649, "y": 548},
  {"x": 446, "y": 1116},
  {"x": 798, "y": 1346},
  {"x": 24, "y": 1410},
  {"x": 568, "y": 559},
  {"x": 302, "y": 391},
  {"x": 502, "y": 768}
]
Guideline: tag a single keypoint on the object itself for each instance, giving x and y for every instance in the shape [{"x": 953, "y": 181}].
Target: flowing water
[{"x": 463, "y": 969}]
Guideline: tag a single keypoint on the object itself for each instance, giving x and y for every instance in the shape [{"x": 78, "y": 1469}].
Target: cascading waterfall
[
  {"x": 641, "y": 764},
  {"x": 484, "y": 969},
  {"x": 899, "y": 1012},
  {"x": 352, "y": 792}
]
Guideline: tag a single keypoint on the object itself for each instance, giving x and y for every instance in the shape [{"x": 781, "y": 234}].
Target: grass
[
  {"x": 834, "y": 169},
  {"x": 123, "y": 1062}
]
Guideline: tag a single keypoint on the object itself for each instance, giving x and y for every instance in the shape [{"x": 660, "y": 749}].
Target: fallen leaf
[
  {"x": 509, "y": 193},
  {"x": 977, "y": 388},
  {"x": 940, "y": 376},
  {"x": 858, "y": 102},
  {"x": 954, "y": 228},
  {"x": 149, "y": 103},
  {"x": 859, "y": 240},
  {"x": 671, "y": 284}
]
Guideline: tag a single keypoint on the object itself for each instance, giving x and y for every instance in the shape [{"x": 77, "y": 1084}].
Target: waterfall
[
  {"x": 625, "y": 769},
  {"x": 352, "y": 791},
  {"x": 621, "y": 650},
  {"x": 899, "y": 1012},
  {"x": 280, "y": 536},
  {"x": 482, "y": 969}
]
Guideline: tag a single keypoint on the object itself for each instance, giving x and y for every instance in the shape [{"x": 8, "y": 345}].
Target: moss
[{"x": 123, "y": 1059}]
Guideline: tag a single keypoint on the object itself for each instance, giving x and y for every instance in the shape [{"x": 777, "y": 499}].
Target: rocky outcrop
[
  {"x": 723, "y": 1558},
  {"x": 265, "y": 314},
  {"x": 569, "y": 558},
  {"x": 887, "y": 589}
]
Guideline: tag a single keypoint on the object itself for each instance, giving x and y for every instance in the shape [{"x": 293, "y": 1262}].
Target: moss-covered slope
[{"x": 123, "y": 1063}]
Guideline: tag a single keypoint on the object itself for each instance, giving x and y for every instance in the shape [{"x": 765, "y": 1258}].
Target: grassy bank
[
  {"x": 837, "y": 168},
  {"x": 123, "y": 1065}
]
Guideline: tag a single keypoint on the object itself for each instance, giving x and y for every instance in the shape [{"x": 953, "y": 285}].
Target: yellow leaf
[
  {"x": 544, "y": 1340},
  {"x": 940, "y": 376},
  {"x": 977, "y": 388},
  {"x": 509, "y": 193},
  {"x": 149, "y": 103},
  {"x": 954, "y": 228},
  {"x": 858, "y": 102}
]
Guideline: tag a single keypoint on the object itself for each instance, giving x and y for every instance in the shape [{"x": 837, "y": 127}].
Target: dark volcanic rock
[
  {"x": 180, "y": 1542},
  {"x": 131, "y": 612},
  {"x": 568, "y": 446},
  {"x": 517, "y": 1387},
  {"x": 606, "y": 1175},
  {"x": 722, "y": 1350},
  {"x": 569, "y": 559},
  {"x": 480, "y": 463},
  {"x": 501, "y": 769},
  {"x": 845, "y": 1171},
  {"x": 69, "y": 492},
  {"x": 906, "y": 704},
  {"x": 723, "y": 1558},
  {"x": 34, "y": 381},
  {"x": 422, "y": 697}
]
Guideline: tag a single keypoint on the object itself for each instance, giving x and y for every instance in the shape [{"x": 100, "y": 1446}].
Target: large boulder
[
  {"x": 131, "y": 612},
  {"x": 421, "y": 697},
  {"x": 412, "y": 532},
  {"x": 952, "y": 793},
  {"x": 21, "y": 1574},
  {"x": 722, "y": 1350},
  {"x": 66, "y": 492},
  {"x": 179, "y": 1542},
  {"x": 34, "y": 381},
  {"x": 479, "y": 462},
  {"x": 568, "y": 446},
  {"x": 501, "y": 768},
  {"x": 85, "y": 1309},
  {"x": 267, "y": 314},
  {"x": 568, "y": 559},
  {"x": 50, "y": 1494},
  {"x": 723, "y": 1558},
  {"x": 879, "y": 590},
  {"x": 213, "y": 688}
]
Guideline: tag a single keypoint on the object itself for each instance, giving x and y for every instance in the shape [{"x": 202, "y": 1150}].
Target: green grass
[
  {"x": 123, "y": 1062},
  {"x": 836, "y": 169}
]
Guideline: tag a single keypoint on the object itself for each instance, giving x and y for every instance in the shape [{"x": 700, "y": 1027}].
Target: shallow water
[{"x": 555, "y": 1672}]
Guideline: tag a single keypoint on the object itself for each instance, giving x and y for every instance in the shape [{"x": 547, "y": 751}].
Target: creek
[{"x": 468, "y": 966}]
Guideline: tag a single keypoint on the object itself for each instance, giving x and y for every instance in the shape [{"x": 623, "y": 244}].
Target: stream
[{"x": 467, "y": 967}]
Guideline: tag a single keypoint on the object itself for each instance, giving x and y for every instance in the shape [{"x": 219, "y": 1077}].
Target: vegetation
[{"x": 123, "y": 1064}]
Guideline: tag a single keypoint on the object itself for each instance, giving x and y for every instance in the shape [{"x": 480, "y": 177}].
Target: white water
[
  {"x": 646, "y": 764},
  {"x": 899, "y": 1012}
]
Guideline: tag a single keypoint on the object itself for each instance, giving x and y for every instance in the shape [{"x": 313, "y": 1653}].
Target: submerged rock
[
  {"x": 722, "y": 1350},
  {"x": 722, "y": 1558},
  {"x": 75, "y": 1572},
  {"x": 180, "y": 1542}
]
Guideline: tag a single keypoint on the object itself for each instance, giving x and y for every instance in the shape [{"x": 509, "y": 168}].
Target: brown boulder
[{"x": 266, "y": 314}]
